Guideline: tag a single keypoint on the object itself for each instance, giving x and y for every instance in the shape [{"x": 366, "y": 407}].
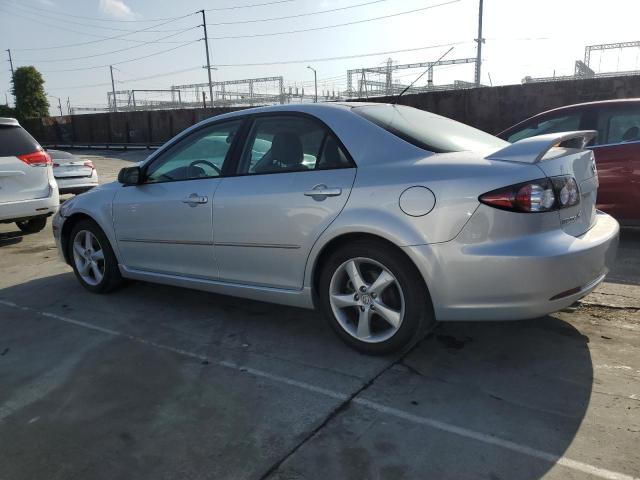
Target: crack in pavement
[{"x": 343, "y": 406}]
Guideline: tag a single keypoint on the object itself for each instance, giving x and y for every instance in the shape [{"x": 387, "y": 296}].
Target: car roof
[{"x": 9, "y": 122}]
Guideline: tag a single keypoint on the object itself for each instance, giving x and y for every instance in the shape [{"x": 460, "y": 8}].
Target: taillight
[
  {"x": 542, "y": 195},
  {"x": 89, "y": 164},
  {"x": 36, "y": 159}
]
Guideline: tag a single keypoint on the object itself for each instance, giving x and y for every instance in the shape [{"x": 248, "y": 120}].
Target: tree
[
  {"x": 7, "y": 111},
  {"x": 28, "y": 88}
]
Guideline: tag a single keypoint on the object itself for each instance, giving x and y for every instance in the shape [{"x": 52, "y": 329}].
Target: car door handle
[
  {"x": 322, "y": 191},
  {"x": 194, "y": 199}
]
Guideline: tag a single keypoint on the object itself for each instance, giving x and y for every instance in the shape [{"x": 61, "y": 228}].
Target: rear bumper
[
  {"x": 77, "y": 184},
  {"x": 518, "y": 278},
  {"x": 24, "y": 209}
]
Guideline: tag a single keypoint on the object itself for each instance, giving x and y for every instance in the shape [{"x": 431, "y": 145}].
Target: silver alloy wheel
[
  {"x": 367, "y": 300},
  {"x": 88, "y": 257}
]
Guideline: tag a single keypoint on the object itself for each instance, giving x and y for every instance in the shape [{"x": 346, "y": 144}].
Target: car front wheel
[
  {"x": 374, "y": 298},
  {"x": 92, "y": 258}
]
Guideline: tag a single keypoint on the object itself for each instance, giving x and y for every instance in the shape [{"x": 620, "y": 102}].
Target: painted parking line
[{"x": 394, "y": 412}]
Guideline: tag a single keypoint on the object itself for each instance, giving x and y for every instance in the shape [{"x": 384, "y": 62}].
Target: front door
[
  {"x": 165, "y": 224},
  {"x": 293, "y": 179}
]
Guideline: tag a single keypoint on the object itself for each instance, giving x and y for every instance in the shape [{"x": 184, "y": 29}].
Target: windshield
[{"x": 427, "y": 130}]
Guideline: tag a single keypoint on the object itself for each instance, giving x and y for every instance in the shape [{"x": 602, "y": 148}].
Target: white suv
[{"x": 28, "y": 190}]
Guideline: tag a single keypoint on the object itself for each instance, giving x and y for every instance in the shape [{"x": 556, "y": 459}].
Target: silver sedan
[{"x": 384, "y": 217}]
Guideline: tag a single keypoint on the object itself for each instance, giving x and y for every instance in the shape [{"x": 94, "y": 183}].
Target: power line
[
  {"x": 344, "y": 57},
  {"x": 26, "y": 10},
  {"x": 238, "y": 22},
  {"x": 95, "y": 19},
  {"x": 104, "y": 39},
  {"x": 130, "y": 80},
  {"x": 150, "y": 20},
  {"x": 237, "y": 7},
  {"x": 124, "y": 61},
  {"x": 338, "y": 24},
  {"x": 157, "y": 40}
]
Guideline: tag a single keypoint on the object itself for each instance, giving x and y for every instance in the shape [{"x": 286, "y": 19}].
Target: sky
[{"x": 71, "y": 41}]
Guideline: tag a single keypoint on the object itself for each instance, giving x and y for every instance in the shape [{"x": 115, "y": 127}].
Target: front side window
[
  {"x": 201, "y": 155},
  {"x": 618, "y": 126},
  {"x": 565, "y": 123},
  {"x": 290, "y": 143}
]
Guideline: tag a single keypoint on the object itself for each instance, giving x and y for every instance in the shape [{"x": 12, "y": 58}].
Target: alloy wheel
[
  {"x": 367, "y": 300},
  {"x": 88, "y": 257}
]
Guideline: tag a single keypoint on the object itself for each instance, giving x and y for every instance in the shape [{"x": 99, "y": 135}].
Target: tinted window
[
  {"x": 288, "y": 143},
  {"x": 618, "y": 126},
  {"x": 201, "y": 155},
  {"x": 16, "y": 141},
  {"x": 428, "y": 130},
  {"x": 566, "y": 123}
]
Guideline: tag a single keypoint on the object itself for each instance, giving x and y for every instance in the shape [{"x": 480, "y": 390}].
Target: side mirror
[{"x": 130, "y": 176}]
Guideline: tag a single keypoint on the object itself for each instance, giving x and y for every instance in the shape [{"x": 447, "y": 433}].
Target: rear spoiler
[{"x": 533, "y": 149}]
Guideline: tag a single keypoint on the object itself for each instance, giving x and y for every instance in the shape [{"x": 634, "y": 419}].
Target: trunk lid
[
  {"x": 71, "y": 168},
  {"x": 559, "y": 154}
]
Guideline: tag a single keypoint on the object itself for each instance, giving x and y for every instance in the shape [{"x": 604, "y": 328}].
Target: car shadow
[
  {"x": 10, "y": 238},
  {"x": 525, "y": 382}
]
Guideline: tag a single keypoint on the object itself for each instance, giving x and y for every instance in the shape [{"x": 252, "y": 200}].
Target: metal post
[
  {"x": 113, "y": 90},
  {"x": 204, "y": 100},
  {"x": 315, "y": 82},
  {"x": 480, "y": 41},
  {"x": 133, "y": 99},
  {"x": 206, "y": 45},
  {"x": 60, "y": 106},
  {"x": 68, "y": 106}
]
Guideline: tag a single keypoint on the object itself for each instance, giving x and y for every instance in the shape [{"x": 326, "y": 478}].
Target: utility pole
[
  {"x": 12, "y": 76},
  {"x": 206, "y": 46},
  {"x": 113, "y": 90},
  {"x": 480, "y": 41},
  {"x": 315, "y": 82},
  {"x": 59, "y": 103}
]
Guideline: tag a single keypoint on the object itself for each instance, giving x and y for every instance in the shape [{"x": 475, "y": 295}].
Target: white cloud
[{"x": 116, "y": 8}]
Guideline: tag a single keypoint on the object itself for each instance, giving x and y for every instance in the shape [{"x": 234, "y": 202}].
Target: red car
[{"x": 616, "y": 148}]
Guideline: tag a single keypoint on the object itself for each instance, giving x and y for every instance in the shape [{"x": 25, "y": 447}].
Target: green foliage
[
  {"x": 7, "y": 111},
  {"x": 28, "y": 87}
]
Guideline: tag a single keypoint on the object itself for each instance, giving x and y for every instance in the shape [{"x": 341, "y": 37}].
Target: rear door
[
  {"x": 292, "y": 179},
  {"x": 18, "y": 179},
  {"x": 617, "y": 152}
]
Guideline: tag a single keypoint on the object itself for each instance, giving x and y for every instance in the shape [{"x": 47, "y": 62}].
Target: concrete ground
[{"x": 155, "y": 382}]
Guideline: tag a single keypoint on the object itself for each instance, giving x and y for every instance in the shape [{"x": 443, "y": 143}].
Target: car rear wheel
[
  {"x": 33, "y": 225},
  {"x": 374, "y": 298},
  {"x": 92, "y": 258}
]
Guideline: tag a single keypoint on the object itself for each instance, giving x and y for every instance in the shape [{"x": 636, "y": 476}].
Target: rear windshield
[
  {"x": 427, "y": 130},
  {"x": 16, "y": 141}
]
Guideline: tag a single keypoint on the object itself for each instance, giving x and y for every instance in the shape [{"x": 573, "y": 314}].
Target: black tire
[
  {"x": 32, "y": 225},
  {"x": 111, "y": 279},
  {"x": 418, "y": 316}
]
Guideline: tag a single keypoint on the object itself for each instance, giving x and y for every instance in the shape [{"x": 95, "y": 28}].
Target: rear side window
[
  {"x": 16, "y": 141},
  {"x": 565, "y": 123},
  {"x": 618, "y": 126},
  {"x": 427, "y": 130},
  {"x": 284, "y": 143}
]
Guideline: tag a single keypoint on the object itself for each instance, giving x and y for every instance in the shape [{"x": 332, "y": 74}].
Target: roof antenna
[{"x": 422, "y": 75}]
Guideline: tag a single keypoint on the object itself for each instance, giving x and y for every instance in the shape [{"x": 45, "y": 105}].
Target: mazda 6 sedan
[{"x": 384, "y": 217}]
